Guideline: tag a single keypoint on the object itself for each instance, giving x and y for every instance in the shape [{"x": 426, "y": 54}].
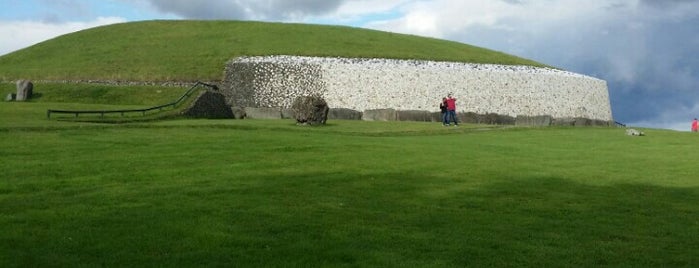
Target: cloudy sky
[{"x": 646, "y": 50}]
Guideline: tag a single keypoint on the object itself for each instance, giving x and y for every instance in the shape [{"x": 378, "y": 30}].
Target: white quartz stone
[{"x": 364, "y": 84}]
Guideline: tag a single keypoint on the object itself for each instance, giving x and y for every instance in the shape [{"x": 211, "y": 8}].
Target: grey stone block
[
  {"x": 564, "y": 121},
  {"x": 263, "y": 113},
  {"x": 414, "y": 115},
  {"x": 380, "y": 115},
  {"x": 344, "y": 114}
]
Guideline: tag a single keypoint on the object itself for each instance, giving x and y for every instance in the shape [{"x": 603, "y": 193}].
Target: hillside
[{"x": 198, "y": 50}]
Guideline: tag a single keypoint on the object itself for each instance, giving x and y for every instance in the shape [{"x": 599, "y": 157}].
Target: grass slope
[
  {"x": 198, "y": 50},
  {"x": 267, "y": 193}
]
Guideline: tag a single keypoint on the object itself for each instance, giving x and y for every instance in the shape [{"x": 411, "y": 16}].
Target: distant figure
[
  {"x": 451, "y": 111},
  {"x": 695, "y": 125},
  {"x": 443, "y": 109}
]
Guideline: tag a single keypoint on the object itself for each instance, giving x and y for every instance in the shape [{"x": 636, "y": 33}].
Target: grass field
[
  {"x": 198, "y": 50},
  {"x": 268, "y": 193}
]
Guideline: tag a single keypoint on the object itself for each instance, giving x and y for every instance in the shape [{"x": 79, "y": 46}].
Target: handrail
[{"x": 103, "y": 112}]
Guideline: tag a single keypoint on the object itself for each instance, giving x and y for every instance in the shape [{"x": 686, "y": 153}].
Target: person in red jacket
[
  {"x": 451, "y": 111},
  {"x": 695, "y": 125}
]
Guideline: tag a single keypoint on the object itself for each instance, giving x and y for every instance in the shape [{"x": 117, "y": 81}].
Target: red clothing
[
  {"x": 451, "y": 104},
  {"x": 694, "y": 125}
]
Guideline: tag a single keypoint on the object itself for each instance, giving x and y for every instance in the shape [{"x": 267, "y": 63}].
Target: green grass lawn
[{"x": 268, "y": 193}]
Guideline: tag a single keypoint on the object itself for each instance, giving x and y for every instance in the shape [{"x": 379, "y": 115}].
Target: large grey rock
[
  {"x": 263, "y": 113},
  {"x": 211, "y": 105},
  {"x": 24, "y": 90},
  {"x": 310, "y": 110},
  {"x": 380, "y": 115}
]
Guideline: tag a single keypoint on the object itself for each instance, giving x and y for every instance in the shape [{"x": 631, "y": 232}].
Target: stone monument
[{"x": 24, "y": 90}]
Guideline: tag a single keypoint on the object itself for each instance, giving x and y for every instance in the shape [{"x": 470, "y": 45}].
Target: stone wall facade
[{"x": 370, "y": 84}]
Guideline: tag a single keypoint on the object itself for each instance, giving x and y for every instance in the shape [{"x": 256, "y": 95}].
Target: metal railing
[{"x": 173, "y": 104}]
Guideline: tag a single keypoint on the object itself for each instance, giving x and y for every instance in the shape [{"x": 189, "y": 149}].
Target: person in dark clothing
[{"x": 443, "y": 109}]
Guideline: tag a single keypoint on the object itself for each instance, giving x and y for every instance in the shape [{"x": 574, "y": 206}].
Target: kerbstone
[{"x": 263, "y": 113}]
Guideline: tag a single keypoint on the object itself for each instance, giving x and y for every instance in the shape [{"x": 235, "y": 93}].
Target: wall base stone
[
  {"x": 537, "y": 120},
  {"x": 380, "y": 115},
  {"x": 344, "y": 114},
  {"x": 413, "y": 115},
  {"x": 263, "y": 113}
]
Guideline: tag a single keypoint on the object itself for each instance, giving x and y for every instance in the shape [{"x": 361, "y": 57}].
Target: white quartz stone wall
[{"x": 364, "y": 84}]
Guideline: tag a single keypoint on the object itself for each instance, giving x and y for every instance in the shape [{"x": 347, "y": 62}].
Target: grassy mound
[{"x": 198, "y": 50}]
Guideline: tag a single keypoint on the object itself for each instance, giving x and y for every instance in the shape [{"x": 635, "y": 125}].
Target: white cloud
[
  {"x": 21, "y": 34},
  {"x": 444, "y": 18},
  {"x": 359, "y": 12}
]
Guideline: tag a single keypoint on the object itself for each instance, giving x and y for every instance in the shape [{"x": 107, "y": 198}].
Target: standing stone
[{"x": 24, "y": 90}]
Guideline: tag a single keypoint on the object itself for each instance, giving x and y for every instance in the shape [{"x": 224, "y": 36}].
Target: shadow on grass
[
  {"x": 340, "y": 219},
  {"x": 405, "y": 220}
]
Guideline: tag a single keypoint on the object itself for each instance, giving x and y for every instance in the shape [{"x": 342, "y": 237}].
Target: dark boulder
[{"x": 310, "y": 110}]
